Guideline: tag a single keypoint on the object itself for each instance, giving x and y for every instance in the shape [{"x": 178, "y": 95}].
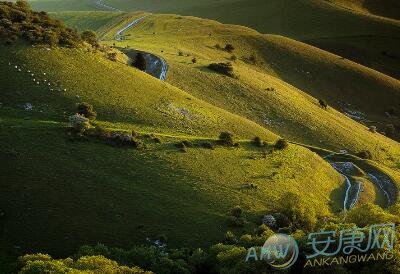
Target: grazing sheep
[
  {"x": 15, "y": 67},
  {"x": 9, "y": 63},
  {"x": 51, "y": 89},
  {"x": 38, "y": 83},
  {"x": 32, "y": 74},
  {"x": 65, "y": 89},
  {"x": 34, "y": 80},
  {"x": 44, "y": 73},
  {"x": 48, "y": 84},
  {"x": 28, "y": 71},
  {"x": 19, "y": 70}
]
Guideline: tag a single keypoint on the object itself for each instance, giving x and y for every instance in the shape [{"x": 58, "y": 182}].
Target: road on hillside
[{"x": 155, "y": 65}]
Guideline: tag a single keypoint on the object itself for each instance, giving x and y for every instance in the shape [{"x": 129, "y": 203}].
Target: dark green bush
[
  {"x": 86, "y": 110},
  {"x": 365, "y": 154},
  {"x": 222, "y": 68},
  {"x": 257, "y": 141},
  {"x": 208, "y": 145},
  {"x": 90, "y": 37},
  {"x": 18, "y": 20},
  {"x": 226, "y": 139},
  {"x": 229, "y": 48},
  {"x": 281, "y": 144}
]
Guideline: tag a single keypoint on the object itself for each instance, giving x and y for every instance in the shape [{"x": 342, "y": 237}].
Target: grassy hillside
[
  {"x": 65, "y": 194},
  {"x": 279, "y": 61},
  {"x": 88, "y": 20},
  {"x": 331, "y": 25},
  {"x": 384, "y": 8}
]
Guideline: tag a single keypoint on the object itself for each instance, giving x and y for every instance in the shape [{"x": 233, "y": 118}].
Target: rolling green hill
[
  {"x": 279, "y": 61},
  {"x": 61, "y": 196},
  {"x": 61, "y": 191},
  {"x": 369, "y": 40}
]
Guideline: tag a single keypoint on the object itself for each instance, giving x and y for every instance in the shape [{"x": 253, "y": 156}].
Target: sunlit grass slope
[
  {"x": 87, "y": 20},
  {"x": 329, "y": 25},
  {"x": 57, "y": 195},
  {"x": 384, "y": 8},
  {"x": 287, "y": 109}
]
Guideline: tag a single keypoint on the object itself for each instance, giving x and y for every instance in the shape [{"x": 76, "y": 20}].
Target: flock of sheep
[{"x": 35, "y": 78}]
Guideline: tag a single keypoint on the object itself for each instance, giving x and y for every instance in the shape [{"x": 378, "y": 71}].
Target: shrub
[
  {"x": 90, "y": 37},
  {"x": 233, "y": 58},
  {"x": 365, "y": 154},
  {"x": 258, "y": 142},
  {"x": 218, "y": 46},
  {"x": 140, "y": 62},
  {"x": 79, "y": 122},
  {"x": 300, "y": 211},
  {"x": 226, "y": 139},
  {"x": 180, "y": 53},
  {"x": 229, "y": 48},
  {"x": 123, "y": 139},
  {"x": 208, "y": 145},
  {"x": 281, "y": 144},
  {"x": 112, "y": 56},
  {"x": 390, "y": 130},
  {"x": 222, "y": 68},
  {"x": 194, "y": 60},
  {"x": 236, "y": 212},
  {"x": 322, "y": 104},
  {"x": 20, "y": 21},
  {"x": 86, "y": 110},
  {"x": 230, "y": 238}
]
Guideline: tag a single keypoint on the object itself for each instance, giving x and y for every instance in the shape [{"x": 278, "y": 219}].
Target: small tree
[
  {"x": 86, "y": 110},
  {"x": 281, "y": 144},
  {"x": 140, "y": 62},
  {"x": 322, "y": 104},
  {"x": 90, "y": 37},
  {"x": 226, "y": 138},
  {"x": 257, "y": 141}
]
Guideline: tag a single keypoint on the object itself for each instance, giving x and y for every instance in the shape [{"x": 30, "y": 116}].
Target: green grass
[
  {"x": 287, "y": 111},
  {"x": 87, "y": 20},
  {"x": 60, "y": 194},
  {"x": 337, "y": 27},
  {"x": 64, "y": 194}
]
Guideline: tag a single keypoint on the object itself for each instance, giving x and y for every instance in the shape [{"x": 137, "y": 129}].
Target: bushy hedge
[
  {"x": 19, "y": 21},
  {"x": 222, "y": 68}
]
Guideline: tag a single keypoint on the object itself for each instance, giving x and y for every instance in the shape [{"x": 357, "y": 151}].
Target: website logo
[{"x": 279, "y": 251}]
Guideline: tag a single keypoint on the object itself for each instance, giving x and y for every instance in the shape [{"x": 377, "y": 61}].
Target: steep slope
[
  {"x": 278, "y": 61},
  {"x": 87, "y": 20},
  {"x": 59, "y": 194},
  {"x": 384, "y": 8}
]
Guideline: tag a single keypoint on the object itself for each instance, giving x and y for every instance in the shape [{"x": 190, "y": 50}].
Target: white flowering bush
[{"x": 79, "y": 122}]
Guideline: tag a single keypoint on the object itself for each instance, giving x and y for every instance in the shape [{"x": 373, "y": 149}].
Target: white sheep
[
  {"x": 65, "y": 89},
  {"x": 38, "y": 83},
  {"x": 44, "y": 73},
  {"x": 19, "y": 70},
  {"x": 32, "y": 74},
  {"x": 45, "y": 80},
  {"x": 49, "y": 84},
  {"x": 16, "y": 67},
  {"x": 34, "y": 80}
]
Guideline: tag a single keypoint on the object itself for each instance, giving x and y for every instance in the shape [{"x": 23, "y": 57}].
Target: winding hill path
[{"x": 156, "y": 66}]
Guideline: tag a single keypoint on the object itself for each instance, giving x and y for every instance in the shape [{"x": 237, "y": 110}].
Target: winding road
[{"x": 155, "y": 65}]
